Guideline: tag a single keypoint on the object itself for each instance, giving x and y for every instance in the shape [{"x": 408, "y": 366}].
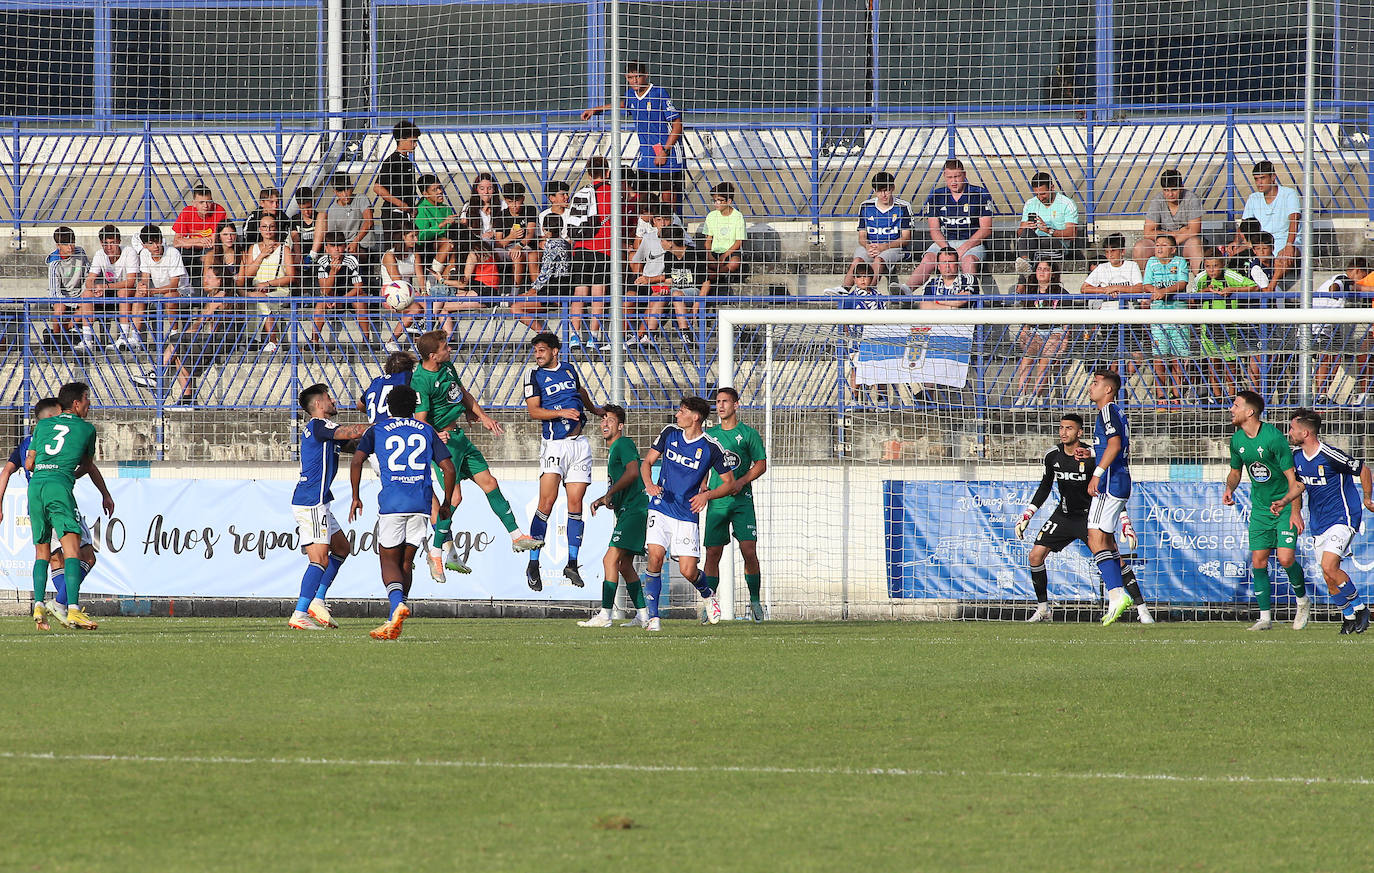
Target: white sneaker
[
  {"x": 640, "y": 620},
  {"x": 269, "y": 348},
  {"x": 653, "y": 625},
  {"x": 134, "y": 341},
  {"x": 391, "y": 346},
  {"x": 601, "y": 619},
  {"x": 453, "y": 562},
  {"x": 87, "y": 344},
  {"x": 1042, "y": 613},
  {"x": 120, "y": 342},
  {"x": 713, "y": 610},
  {"x": 57, "y": 611},
  {"x": 1143, "y": 612},
  {"x": 1262, "y": 624},
  {"x": 1023, "y": 267},
  {"x": 1304, "y": 613}
]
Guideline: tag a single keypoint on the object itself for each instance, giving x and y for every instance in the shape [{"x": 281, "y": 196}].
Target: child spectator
[
  {"x": 338, "y": 274},
  {"x": 685, "y": 266},
  {"x": 268, "y": 270},
  {"x": 269, "y": 203},
  {"x": 162, "y": 273},
  {"x": 1329, "y": 338},
  {"x": 515, "y": 234},
  {"x": 1221, "y": 343},
  {"x": 559, "y": 194},
  {"x": 1043, "y": 342},
  {"x": 649, "y": 266},
  {"x": 725, "y": 234},
  {"x": 434, "y": 221},
  {"x": 863, "y": 296},
  {"x": 399, "y": 264},
  {"x": 352, "y": 218},
  {"x": 1260, "y": 267},
  {"x": 555, "y": 273},
  {"x": 305, "y": 222},
  {"x": 1240, "y": 249},
  {"x": 193, "y": 231},
  {"x": 67, "y": 269},
  {"x": 477, "y": 219},
  {"x": 1114, "y": 276},
  {"x": 884, "y": 229},
  {"x": 1166, "y": 276},
  {"x": 113, "y": 269}
]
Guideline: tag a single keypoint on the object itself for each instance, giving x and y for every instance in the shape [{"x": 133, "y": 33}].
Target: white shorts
[
  {"x": 85, "y": 535},
  {"x": 1336, "y": 540},
  {"x": 979, "y": 252},
  {"x": 1105, "y": 513},
  {"x": 316, "y": 524},
  {"x": 681, "y": 539},
  {"x": 570, "y": 458},
  {"x": 395, "y": 528},
  {"x": 887, "y": 256}
]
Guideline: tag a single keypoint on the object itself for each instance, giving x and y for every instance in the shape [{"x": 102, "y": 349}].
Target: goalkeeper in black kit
[{"x": 1067, "y": 464}]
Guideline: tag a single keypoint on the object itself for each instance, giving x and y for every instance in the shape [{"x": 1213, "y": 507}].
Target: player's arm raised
[
  {"x": 1109, "y": 454},
  {"x": 646, "y": 472},
  {"x": 625, "y": 481},
  {"x": 348, "y": 432},
  {"x": 479, "y": 414}
]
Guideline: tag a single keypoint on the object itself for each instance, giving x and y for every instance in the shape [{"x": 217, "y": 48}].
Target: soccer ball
[{"x": 398, "y": 294}]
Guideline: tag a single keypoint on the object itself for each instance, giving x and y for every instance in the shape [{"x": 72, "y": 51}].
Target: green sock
[
  {"x": 755, "y": 583},
  {"x": 40, "y": 580},
  {"x": 712, "y": 582},
  {"x": 1262, "y": 588},
  {"x": 636, "y": 591},
  {"x": 72, "y": 567},
  {"x": 1296, "y": 579},
  {"x": 501, "y": 506},
  {"x": 441, "y": 528},
  {"x": 607, "y": 594}
]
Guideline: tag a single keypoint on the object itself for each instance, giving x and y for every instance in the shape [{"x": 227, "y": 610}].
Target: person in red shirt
[
  {"x": 589, "y": 225},
  {"x": 193, "y": 232}
]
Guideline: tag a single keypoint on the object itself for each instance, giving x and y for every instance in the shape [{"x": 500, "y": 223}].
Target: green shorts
[
  {"x": 1269, "y": 531},
  {"x": 1221, "y": 346},
  {"x": 52, "y": 511},
  {"x": 467, "y": 460},
  {"x": 630, "y": 526},
  {"x": 729, "y": 512}
]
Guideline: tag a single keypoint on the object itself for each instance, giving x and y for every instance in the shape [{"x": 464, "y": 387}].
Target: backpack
[{"x": 581, "y": 219}]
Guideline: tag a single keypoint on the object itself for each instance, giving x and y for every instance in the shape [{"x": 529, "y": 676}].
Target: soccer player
[
  {"x": 1333, "y": 511},
  {"x": 1066, "y": 465},
  {"x": 324, "y": 542},
  {"x": 1109, "y": 488},
  {"x": 404, "y": 448},
  {"x": 745, "y": 455},
  {"x": 1261, "y": 449},
  {"x": 626, "y": 498},
  {"x": 676, "y": 499},
  {"x": 62, "y": 446},
  {"x": 443, "y": 398},
  {"x": 557, "y": 399}
]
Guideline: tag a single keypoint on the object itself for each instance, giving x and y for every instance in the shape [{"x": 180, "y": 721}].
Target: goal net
[{"x": 904, "y": 446}]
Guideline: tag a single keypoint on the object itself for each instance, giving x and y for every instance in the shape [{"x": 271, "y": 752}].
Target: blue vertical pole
[
  {"x": 876, "y": 48},
  {"x": 544, "y": 153},
  {"x": 951, "y": 136},
  {"x": 27, "y": 380},
  {"x": 17, "y": 180},
  {"x": 1230, "y": 164},
  {"x": 1090, "y": 172},
  {"x": 279, "y": 178},
  {"x": 1369, "y": 159},
  {"x": 816, "y": 119},
  {"x": 1105, "y": 56},
  {"x": 596, "y": 51},
  {"x": 321, "y": 89},
  {"x": 104, "y": 67},
  {"x": 374, "y": 87},
  {"x": 147, "y": 172},
  {"x": 1336, "y": 50}
]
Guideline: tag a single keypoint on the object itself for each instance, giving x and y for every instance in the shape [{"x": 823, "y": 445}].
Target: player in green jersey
[
  {"x": 744, "y": 450},
  {"x": 62, "y": 448},
  {"x": 627, "y": 500},
  {"x": 444, "y": 400},
  {"x": 1275, "y": 511}
]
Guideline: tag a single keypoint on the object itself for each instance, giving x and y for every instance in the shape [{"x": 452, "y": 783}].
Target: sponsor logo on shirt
[{"x": 1259, "y": 472}]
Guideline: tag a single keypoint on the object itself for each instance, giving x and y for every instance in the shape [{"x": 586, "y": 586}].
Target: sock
[
  {"x": 653, "y": 588},
  {"x": 40, "y": 580},
  {"x": 501, "y": 506},
  {"x": 1109, "y": 565},
  {"x": 705, "y": 585},
  {"x": 1347, "y": 596},
  {"x": 576, "y": 527},
  {"x": 1261, "y": 578},
  {"x": 636, "y": 591},
  {"x": 335, "y": 562},
  {"x": 539, "y": 529},
  {"x": 310, "y": 583},
  {"x": 71, "y": 567},
  {"x": 607, "y": 594},
  {"x": 755, "y": 583},
  {"x": 1040, "y": 580},
  {"x": 1296, "y": 579},
  {"x": 441, "y": 529},
  {"x": 395, "y": 595},
  {"x": 59, "y": 582}
]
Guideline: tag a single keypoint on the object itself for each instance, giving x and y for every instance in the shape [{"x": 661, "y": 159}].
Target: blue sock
[
  {"x": 710, "y": 583},
  {"x": 310, "y": 583},
  {"x": 59, "y": 581},
  {"x": 395, "y": 595},
  {"x": 335, "y": 562},
  {"x": 703, "y": 585},
  {"x": 653, "y": 587},
  {"x": 576, "y": 526},
  {"x": 1109, "y": 565},
  {"x": 1349, "y": 597},
  {"x": 539, "y": 526}
]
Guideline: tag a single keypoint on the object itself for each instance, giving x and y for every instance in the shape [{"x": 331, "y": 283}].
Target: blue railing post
[
  {"x": 816, "y": 173},
  {"x": 1230, "y": 164},
  {"x": 279, "y": 179},
  {"x": 544, "y": 154},
  {"x": 1369, "y": 162},
  {"x": 951, "y": 136},
  {"x": 16, "y": 172},
  {"x": 1090, "y": 174},
  {"x": 148, "y": 175},
  {"x": 26, "y": 380},
  {"x": 294, "y": 351}
]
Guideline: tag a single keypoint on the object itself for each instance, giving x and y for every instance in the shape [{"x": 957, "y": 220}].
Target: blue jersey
[
  {"x": 884, "y": 225},
  {"x": 959, "y": 219},
  {"x": 404, "y": 448},
  {"x": 374, "y": 398},
  {"x": 685, "y": 465},
  {"x": 653, "y": 115},
  {"x": 20, "y": 452},
  {"x": 1116, "y": 481},
  {"x": 557, "y": 388},
  {"x": 1332, "y": 496},
  {"x": 319, "y": 463}
]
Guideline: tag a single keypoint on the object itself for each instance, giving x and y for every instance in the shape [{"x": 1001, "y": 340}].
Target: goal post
[{"x": 904, "y": 445}]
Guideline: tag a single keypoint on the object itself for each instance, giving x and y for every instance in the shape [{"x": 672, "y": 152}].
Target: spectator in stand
[
  {"x": 559, "y": 195},
  {"x": 1178, "y": 212},
  {"x": 400, "y": 264},
  {"x": 222, "y": 266},
  {"x": 725, "y": 233},
  {"x": 555, "y": 277},
  {"x": 1166, "y": 276},
  {"x": 514, "y": 236},
  {"x": 269, "y": 203},
  {"x": 269, "y": 268},
  {"x": 1114, "y": 276},
  {"x": 67, "y": 269},
  {"x": 113, "y": 269},
  {"x": 1049, "y": 225},
  {"x": 1279, "y": 212},
  {"x": 685, "y": 265},
  {"x": 1337, "y": 292},
  {"x": 959, "y": 215},
  {"x": 948, "y": 282},
  {"x": 1221, "y": 345},
  {"x": 130, "y": 313},
  {"x": 338, "y": 274},
  {"x": 1246, "y": 230},
  {"x": 306, "y": 222},
  {"x": 649, "y": 265},
  {"x": 395, "y": 186},
  {"x": 658, "y": 125},
  {"x": 1261, "y": 268},
  {"x": 1043, "y": 343},
  {"x": 477, "y": 219},
  {"x": 884, "y": 229},
  {"x": 436, "y": 224},
  {"x": 351, "y": 217},
  {"x": 193, "y": 231},
  {"x": 588, "y": 221},
  {"x": 161, "y": 273}
]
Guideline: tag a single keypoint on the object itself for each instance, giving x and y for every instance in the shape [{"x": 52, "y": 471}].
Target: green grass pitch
[{"x": 541, "y": 746}]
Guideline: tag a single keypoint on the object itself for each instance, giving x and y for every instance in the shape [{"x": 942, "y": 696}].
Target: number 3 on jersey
[
  {"x": 396, "y": 445},
  {"x": 59, "y": 439}
]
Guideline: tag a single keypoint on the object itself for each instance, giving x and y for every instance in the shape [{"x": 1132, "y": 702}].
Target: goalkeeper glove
[
  {"x": 1128, "y": 532},
  {"x": 1024, "y": 522}
]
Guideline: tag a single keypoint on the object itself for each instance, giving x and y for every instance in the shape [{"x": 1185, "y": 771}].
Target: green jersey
[
  {"x": 623, "y": 453},
  {"x": 1264, "y": 456},
  {"x": 61, "y": 444},
  {"x": 743, "y": 446},
  {"x": 441, "y": 395}
]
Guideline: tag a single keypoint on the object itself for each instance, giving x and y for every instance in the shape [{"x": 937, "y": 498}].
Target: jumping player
[{"x": 626, "y": 498}]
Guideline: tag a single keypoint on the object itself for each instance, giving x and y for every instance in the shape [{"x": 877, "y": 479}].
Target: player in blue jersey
[
  {"x": 404, "y": 448},
  {"x": 1333, "y": 511},
  {"x": 324, "y": 542},
  {"x": 557, "y": 399},
  {"x": 658, "y": 126},
  {"x": 1109, "y": 488},
  {"x": 884, "y": 229},
  {"x": 676, "y": 500}
]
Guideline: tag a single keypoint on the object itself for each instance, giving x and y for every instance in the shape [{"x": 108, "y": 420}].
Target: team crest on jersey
[
  {"x": 455, "y": 391},
  {"x": 1259, "y": 472},
  {"x": 731, "y": 459}
]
